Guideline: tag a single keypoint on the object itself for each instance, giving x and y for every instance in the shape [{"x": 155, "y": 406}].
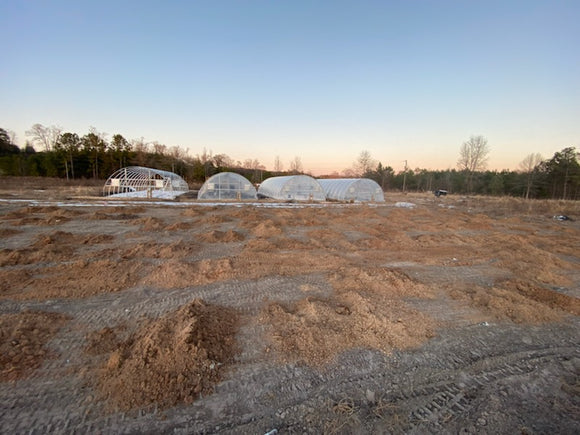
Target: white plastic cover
[
  {"x": 292, "y": 187},
  {"x": 227, "y": 185},
  {"x": 352, "y": 189}
]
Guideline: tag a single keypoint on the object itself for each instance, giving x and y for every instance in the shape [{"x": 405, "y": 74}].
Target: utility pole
[{"x": 404, "y": 176}]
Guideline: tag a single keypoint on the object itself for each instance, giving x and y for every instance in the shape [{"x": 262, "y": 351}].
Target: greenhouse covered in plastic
[
  {"x": 292, "y": 187},
  {"x": 136, "y": 181},
  {"x": 227, "y": 185},
  {"x": 352, "y": 189}
]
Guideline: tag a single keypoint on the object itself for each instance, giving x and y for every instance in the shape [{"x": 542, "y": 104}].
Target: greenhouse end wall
[
  {"x": 292, "y": 188},
  {"x": 352, "y": 189},
  {"x": 227, "y": 186}
]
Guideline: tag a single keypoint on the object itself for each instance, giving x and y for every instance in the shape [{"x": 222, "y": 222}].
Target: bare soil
[{"x": 456, "y": 315}]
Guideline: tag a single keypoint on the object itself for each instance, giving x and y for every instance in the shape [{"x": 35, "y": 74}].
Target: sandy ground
[{"x": 452, "y": 314}]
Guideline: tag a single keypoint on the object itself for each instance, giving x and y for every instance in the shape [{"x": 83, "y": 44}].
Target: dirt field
[{"x": 422, "y": 315}]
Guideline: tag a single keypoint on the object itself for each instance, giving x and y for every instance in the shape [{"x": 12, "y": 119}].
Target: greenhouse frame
[
  {"x": 292, "y": 187},
  {"x": 134, "y": 179},
  {"x": 227, "y": 185},
  {"x": 352, "y": 189}
]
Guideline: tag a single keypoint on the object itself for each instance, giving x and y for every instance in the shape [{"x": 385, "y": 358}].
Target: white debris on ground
[
  {"x": 404, "y": 204},
  {"x": 157, "y": 194}
]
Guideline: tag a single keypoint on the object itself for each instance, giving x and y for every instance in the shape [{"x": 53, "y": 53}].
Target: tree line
[
  {"x": 555, "y": 178},
  {"x": 51, "y": 152},
  {"x": 68, "y": 155}
]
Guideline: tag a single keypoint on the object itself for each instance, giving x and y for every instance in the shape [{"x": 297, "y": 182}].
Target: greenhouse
[
  {"x": 227, "y": 185},
  {"x": 292, "y": 187},
  {"x": 352, "y": 189},
  {"x": 137, "y": 181}
]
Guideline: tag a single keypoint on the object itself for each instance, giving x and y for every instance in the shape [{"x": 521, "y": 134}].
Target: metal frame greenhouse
[
  {"x": 138, "y": 178},
  {"x": 352, "y": 189},
  {"x": 227, "y": 185},
  {"x": 292, "y": 187}
]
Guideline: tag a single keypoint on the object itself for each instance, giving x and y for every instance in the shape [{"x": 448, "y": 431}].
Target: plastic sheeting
[
  {"x": 292, "y": 187},
  {"x": 227, "y": 185},
  {"x": 352, "y": 189},
  {"x": 137, "y": 178}
]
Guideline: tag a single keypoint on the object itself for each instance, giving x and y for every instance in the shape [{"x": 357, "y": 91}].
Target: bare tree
[
  {"x": 12, "y": 136},
  {"x": 528, "y": 166},
  {"x": 349, "y": 173},
  {"x": 46, "y": 137},
  {"x": 206, "y": 156},
  {"x": 473, "y": 156},
  {"x": 141, "y": 149},
  {"x": 159, "y": 148},
  {"x": 177, "y": 152},
  {"x": 278, "y": 165},
  {"x": 296, "y": 165},
  {"x": 364, "y": 163}
]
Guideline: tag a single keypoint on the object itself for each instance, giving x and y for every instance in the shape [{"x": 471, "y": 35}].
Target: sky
[{"x": 408, "y": 81}]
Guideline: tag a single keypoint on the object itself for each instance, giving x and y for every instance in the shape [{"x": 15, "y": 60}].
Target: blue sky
[{"x": 322, "y": 80}]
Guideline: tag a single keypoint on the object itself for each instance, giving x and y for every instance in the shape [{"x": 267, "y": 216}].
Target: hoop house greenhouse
[
  {"x": 227, "y": 185},
  {"x": 352, "y": 189},
  {"x": 137, "y": 181},
  {"x": 292, "y": 187}
]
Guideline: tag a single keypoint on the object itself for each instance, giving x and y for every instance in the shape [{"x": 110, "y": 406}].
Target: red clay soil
[
  {"x": 23, "y": 340},
  {"x": 169, "y": 361}
]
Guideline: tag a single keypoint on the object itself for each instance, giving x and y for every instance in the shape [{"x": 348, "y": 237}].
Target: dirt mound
[
  {"x": 101, "y": 215},
  {"x": 48, "y": 215},
  {"x": 216, "y": 236},
  {"x": 102, "y": 341},
  {"x": 27, "y": 211},
  {"x": 316, "y": 330},
  {"x": 11, "y": 281},
  {"x": 193, "y": 212},
  {"x": 149, "y": 223},
  {"x": 172, "y": 360},
  {"x": 177, "y": 274},
  {"x": 55, "y": 218},
  {"x": 178, "y": 226},
  {"x": 54, "y": 247},
  {"x": 66, "y": 238},
  {"x": 23, "y": 339},
  {"x": 266, "y": 229},
  {"x": 217, "y": 219},
  {"x": 387, "y": 282},
  {"x": 518, "y": 254},
  {"x": 366, "y": 311},
  {"x": 49, "y": 248},
  {"x": 7, "y": 232},
  {"x": 254, "y": 263},
  {"x": 545, "y": 296},
  {"x": 175, "y": 250},
  {"x": 329, "y": 239},
  {"x": 519, "y": 302},
  {"x": 80, "y": 279}
]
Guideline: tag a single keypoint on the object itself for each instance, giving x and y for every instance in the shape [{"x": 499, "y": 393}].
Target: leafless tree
[
  {"x": 528, "y": 166},
  {"x": 159, "y": 148},
  {"x": 12, "y": 136},
  {"x": 46, "y": 137},
  {"x": 278, "y": 165},
  {"x": 349, "y": 173},
  {"x": 206, "y": 156},
  {"x": 296, "y": 165},
  {"x": 364, "y": 163},
  {"x": 473, "y": 156},
  {"x": 141, "y": 148},
  {"x": 177, "y": 152},
  {"x": 223, "y": 161}
]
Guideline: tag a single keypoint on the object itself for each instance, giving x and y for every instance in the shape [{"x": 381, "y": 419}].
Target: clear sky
[{"x": 322, "y": 80}]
